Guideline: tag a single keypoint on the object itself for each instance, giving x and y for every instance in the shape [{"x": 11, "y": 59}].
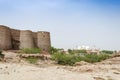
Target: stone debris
[{"x": 11, "y": 57}]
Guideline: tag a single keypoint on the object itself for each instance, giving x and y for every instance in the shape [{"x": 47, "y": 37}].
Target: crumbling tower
[
  {"x": 26, "y": 39},
  {"x": 5, "y": 37},
  {"x": 43, "y": 40}
]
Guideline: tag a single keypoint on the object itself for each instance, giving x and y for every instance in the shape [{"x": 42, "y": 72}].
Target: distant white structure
[
  {"x": 83, "y": 47},
  {"x": 92, "y": 49}
]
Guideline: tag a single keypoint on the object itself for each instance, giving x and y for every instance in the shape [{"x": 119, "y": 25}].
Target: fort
[{"x": 13, "y": 39}]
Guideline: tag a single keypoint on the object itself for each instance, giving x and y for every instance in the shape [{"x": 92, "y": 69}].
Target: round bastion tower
[
  {"x": 26, "y": 39},
  {"x": 5, "y": 38},
  {"x": 43, "y": 40}
]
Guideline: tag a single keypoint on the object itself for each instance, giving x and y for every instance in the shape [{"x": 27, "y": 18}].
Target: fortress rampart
[{"x": 18, "y": 39}]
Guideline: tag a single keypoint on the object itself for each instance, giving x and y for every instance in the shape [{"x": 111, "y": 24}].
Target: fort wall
[
  {"x": 34, "y": 34},
  {"x": 15, "y": 34},
  {"x": 43, "y": 39},
  {"x": 5, "y": 37},
  {"x": 18, "y": 39},
  {"x": 26, "y": 39}
]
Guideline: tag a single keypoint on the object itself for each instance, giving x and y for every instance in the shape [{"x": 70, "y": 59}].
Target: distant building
[
  {"x": 93, "y": 51},
  {"x": 89, "y": 50},
  {"x": 83, "y": 47}
]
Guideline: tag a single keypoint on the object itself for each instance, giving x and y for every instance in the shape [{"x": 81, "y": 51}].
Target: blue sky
[{"x": 71, "y": 22}]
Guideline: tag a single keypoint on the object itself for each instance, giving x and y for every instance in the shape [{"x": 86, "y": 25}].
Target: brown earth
[{"x": 46, "y": 70}]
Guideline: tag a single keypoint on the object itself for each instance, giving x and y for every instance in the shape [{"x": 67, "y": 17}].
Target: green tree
[
  {"x": 107, "y": 51},
  {"x": 53, "y": 50},
  {"x": 70, "y": 51}
]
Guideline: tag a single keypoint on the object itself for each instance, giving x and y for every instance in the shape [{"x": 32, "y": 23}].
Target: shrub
[
  {"x": 92, "y": 58},
  {"x": 70, "y": 59},
  {"x": 70, "y": 51},
  {"x": 82, "y": 51},
  {"x": 31, "y": 50},
  {"x": 53, "y": 50},
  {"x": 65, "y": 59},
  {"x": 32, "y": 60},
  {"x": 76, "y": 51},
  {"x": 104, "y": 56},
  {"x": 107, "y": 51},
  {"x": 60, "y": 58}
]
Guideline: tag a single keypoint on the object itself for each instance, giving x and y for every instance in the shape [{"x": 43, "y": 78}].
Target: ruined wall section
[
  {"x": 15, "y": 34},
  {"x": 43, "y": 40},
  {"x": 15, "y": 38},
  {"x": 34, "y": 34},
  {"x": 5, "y": 37},
  {"x": 19, "y": 39}
]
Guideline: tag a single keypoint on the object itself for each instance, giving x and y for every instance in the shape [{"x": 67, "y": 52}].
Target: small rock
[
  {"x": 6, "y": 67},
  {"x": 98, "y": 78},
  {"x": 0, "y": 68}
]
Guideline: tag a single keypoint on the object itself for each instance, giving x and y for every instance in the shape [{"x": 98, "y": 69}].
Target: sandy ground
[{"x": 106, "y": 70}]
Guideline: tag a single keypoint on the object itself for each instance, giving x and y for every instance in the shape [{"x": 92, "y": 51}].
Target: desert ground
[{"x": 105, "y": 70}]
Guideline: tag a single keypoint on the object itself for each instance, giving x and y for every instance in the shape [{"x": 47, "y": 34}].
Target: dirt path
[{"x": 106, "y": 70}]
